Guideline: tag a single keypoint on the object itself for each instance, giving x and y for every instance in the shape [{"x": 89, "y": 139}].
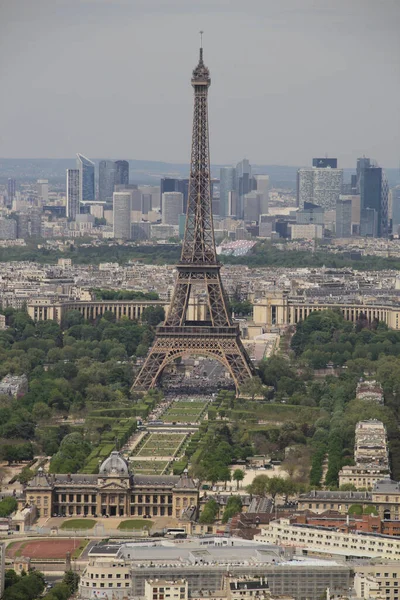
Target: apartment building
[
  {"x": 328, "y": 540},
  {"x": 371, "y": 456},
  {"x": 385, "y": 496},
  {"x": 377, "y": 580}
]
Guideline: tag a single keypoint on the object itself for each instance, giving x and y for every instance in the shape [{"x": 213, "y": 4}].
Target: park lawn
[
  {"x": 135, "y": 524},
  {"x": 78, "y": 551},
  {"x": 79, "y": 524}
]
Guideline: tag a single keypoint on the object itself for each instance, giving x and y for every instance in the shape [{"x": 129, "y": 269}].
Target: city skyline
[{"x": 283, "y": 68}]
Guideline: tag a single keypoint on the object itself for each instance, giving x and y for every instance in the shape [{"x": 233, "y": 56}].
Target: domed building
[{"x": 115, "y": 492}]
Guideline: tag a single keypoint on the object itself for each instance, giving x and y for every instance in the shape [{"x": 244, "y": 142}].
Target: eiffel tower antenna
[{"x": 215, "y": 335}]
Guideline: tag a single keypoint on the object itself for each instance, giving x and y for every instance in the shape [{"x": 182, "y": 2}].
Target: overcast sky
[{"x": 291, "y": 79}]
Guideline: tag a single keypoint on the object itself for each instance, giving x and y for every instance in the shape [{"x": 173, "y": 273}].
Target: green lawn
[
  {"x": 79, "y": 524},
  {"x": 135, "y": 524},
  {"x": 78, "y": 551}
]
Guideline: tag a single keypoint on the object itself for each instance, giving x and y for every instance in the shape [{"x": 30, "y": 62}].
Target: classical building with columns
[
  {"x": 279, "y": 309},
  {"x": 116, "y": 491}
]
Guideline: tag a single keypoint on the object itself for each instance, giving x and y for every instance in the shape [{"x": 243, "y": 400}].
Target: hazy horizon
[{"x": 290, "y": 80}]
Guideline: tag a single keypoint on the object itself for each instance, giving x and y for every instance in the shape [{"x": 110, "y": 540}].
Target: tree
[
  {"x": 225, "y": 475},
  {"x": 259, "y": 485},
  {"x": 26, "y": 475},
  {"x": 7, "y": 506},
  {"x": 233, "y": 506},
  {"x": 209, "y": 512},
  {"x": 71, "y": 579},
  {"x": 252, "y": 387},
  {"x": 238, "y": 476},
  {"x": 153, "y": 315}
]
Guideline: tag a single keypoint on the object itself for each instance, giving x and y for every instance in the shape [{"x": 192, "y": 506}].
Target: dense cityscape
[{"x": 199, "y": 362}]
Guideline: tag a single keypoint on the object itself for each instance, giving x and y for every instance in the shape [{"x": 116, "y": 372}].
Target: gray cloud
[{"x": 290, "y": 79}]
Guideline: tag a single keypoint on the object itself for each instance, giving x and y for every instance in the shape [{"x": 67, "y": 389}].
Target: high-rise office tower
[
  {"x": 170, "y": 184},
  {"x": 343, "y": 218},
  {"x": 374, "y": 191},
  {"x": 107, "y": 179},
  {"x": 150, "y": 197},
  {"x": 22, "y": 227},
  {"x": 122, "y": 215},
  {"x": 243, "y": 183},
  {"x": 252, "y": 204},
  {"x": 324, "y": 163},
  {"x": 72, "y": 193},
  {"x": 11, "y": 189},
  {"x": 227, "y": 178},
  {"x": 35, "y": 218},
  {"x": 121, "y": 172},
  {"x": 172, "y": 207},
  {"x": 396, "y": 210},
  {"x": 86, "y": 178},
  {"x": 321, "y": 186},
  {"x": 42, "y": 188},
  {"x": 362, "y": 164},
  {"x": 261, "y": 184}
]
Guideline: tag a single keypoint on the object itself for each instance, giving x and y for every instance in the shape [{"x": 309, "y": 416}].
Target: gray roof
[
  {"x": 327, "y": 495},
  {"x": 114, "y": 464},
  {"x": 386, "y": 486}
]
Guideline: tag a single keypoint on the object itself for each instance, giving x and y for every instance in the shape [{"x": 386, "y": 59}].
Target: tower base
[{"x": 221, "y": 343}]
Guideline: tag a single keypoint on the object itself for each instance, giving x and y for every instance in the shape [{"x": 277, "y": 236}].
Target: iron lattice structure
[{"x": 215, "y": 336}]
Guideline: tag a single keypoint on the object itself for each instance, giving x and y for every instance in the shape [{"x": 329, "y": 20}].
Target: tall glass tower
[
  {"x": 72, "y": 193},
  {"x": 107, "y": 177},
  {"x": 86, "y": 178},
  {"x": 121, "y": 172}
]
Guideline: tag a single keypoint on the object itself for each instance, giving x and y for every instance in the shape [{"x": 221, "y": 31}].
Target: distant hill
[{"x": 145, "y": 171}]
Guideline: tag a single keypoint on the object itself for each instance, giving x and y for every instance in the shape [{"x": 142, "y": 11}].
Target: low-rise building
[
  {"x": 329, "y": 541},
  {"x": 384, "y": 575},
  {"x": 115, "y": 492},
  {"x": 215, "y": 568},
  {"x": 385, "y": 496},
  {"x": 370, "y": 390}
]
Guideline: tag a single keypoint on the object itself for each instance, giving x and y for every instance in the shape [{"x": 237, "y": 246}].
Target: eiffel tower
[{"x": 198, "y": 270}]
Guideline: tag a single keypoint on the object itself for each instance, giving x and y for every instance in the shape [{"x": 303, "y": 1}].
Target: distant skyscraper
[
  {"x": 172, "y": 207},
  {"x": 171, "y": 184},
  {"x": 42, "y": 187},
  {"x": 252, "y": 204},
  {"x": 107, "y": 179},
  {"x": 321, "y": 186},
  {"x": 261, "y": 184},
  {"x": 122, "y": 172},
  {"x": 72, "y": 193},
  {"x": 396, "y": 210},
  {"x": 374, "y": 192},
  {"x": 227, "y": 177},
  {"x": 122, "y": 215},
  {"x": 86, "y": 178},
  {"x": 22, "y": 228},
  {"x": 243, "y": 183},
  {"x": 324, "y": 163},
  {"x": 362, "y": 164},
  {"x": 35, "y": 217},
  {"x": 11, "y": 189},
  {"x": 343, "y": 218}
]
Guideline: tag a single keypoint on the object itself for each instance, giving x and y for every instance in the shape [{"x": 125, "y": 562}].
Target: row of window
[
  {"x": 110, "y": 585},
  {"x": 109, "y": 576}
]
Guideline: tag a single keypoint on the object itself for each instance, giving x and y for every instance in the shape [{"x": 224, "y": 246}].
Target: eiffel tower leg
[
  {"x": 148, "y": 375},
  {"x": 227, "y": 351}
]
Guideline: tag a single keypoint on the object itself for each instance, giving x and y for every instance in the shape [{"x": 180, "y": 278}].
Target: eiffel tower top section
[{"x": 199, "y": 245}]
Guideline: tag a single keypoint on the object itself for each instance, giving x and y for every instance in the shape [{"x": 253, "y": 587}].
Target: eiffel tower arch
[{"x": 182, "y": 333}]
